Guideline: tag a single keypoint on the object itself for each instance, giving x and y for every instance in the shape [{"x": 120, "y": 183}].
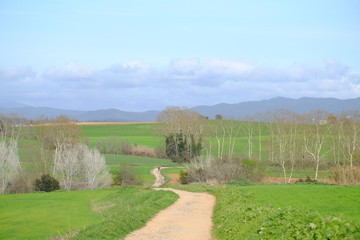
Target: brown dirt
[
  {"x": 188, "y": 218},
  {"x": 280, "y": 180},
  {"x": 175, "y": 179}
]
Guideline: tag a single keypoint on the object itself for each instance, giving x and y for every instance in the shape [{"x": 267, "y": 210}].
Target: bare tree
[
  {"x": 59, "y": 134},
  {"x": 10, "y": 167},
  {"x": 248, "y": 128},
  {"x": 181, "y": 125},
  {"x": 315, "y": 136},
  {"x": 80, "y": 167},
  {"x": 350, "y": 134},
  {"x": 9, "y": 162},
  {"x": 225, "y": 133},
  {"x": 96, "y": 174},
  {"x": 284, "y": 142},
  {"x": 67, "y": 165}
]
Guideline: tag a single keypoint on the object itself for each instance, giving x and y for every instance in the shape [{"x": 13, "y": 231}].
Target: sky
[{"x": 138, "y": 55}]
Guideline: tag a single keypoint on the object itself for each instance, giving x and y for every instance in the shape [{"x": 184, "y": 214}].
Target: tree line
[
  {"x": 62, "y": 157},
  {"x": 290, "y": 140}
]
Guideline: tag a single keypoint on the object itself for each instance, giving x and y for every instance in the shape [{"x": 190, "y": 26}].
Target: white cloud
[
  {"x": 184, "y": 82},
  {"x": 15, "y": 74}
]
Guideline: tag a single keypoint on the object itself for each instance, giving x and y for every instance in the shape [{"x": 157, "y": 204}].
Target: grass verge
[
  {"x": 134, "y": 206},
  {"x": 97, "y": 214},
  {"x": 276, "y": 212}
]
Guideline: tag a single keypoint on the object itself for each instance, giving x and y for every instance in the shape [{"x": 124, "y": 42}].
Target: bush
[
  {"x": 126, "y": 176},
  {"x": 346, "y": 175},
  {"x": 184, "y": 177},
  {"x": 224, "y": 170},
  {"x": 47, "y": 183},
  {"x": 240, "y": 182},
  {"x": 143, "y": 151},
  {"x": 252, "y": 170},
  {"x": 307, "y": 180},
  {"x": 21, "y": 184}
]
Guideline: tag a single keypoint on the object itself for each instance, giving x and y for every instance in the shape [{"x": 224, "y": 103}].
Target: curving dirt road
[{"x": 188, "y": 218}]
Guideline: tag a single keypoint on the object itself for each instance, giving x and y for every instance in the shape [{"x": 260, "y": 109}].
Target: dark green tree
[{"x": 46, "y": 183}]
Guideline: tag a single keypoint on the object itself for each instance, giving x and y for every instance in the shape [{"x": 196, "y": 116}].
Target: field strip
[
  {"x": 110, "y": 123},
  {"x": 190, "y": 217}
]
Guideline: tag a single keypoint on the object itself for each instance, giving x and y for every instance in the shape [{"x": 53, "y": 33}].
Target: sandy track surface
[
  {"x": 189, "y": 218},
  {"x": 159, "y": 179}
]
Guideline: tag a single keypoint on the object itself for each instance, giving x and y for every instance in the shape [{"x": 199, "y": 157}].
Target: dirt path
[
  {"x": 188, "y": 218},
  {"x": 159, "y": 178}
]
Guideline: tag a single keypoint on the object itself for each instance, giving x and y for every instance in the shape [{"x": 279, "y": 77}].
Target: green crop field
[
  {"x": 117, "y": 159},
  {"x": 93, "y": 213},
  {"x": 304, "y": 211},
  {"x": 140, "y": 134}
]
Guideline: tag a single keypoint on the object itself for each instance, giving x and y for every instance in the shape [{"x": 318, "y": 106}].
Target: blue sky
[{"x": 140, "y": 55}]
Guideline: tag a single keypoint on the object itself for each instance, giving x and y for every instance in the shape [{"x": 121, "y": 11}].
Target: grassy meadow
[
  {"x": 140, "y": 134},
  {"x": 88, "y": 214},
  {"x": 296, "y": 211}
]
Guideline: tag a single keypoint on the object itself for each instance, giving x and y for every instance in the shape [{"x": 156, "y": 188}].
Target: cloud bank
[{"x": 135, "y": 86}]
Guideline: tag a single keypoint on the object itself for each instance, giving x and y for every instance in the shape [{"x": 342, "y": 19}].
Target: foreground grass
[
  {"x": 134, "y": 207},
  {"x": 341, "y": 201},
  {"x": 95, "y": 213},
  {"x": 42, "y": 215},
  {"x": 284, "y": 211}
]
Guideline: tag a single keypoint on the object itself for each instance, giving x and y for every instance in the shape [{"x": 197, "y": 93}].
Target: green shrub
[
  {"x": 21, "y": 184},
  {"x": 126, "y": 176},
  {"x": 46, "y": 183},
  {"x": 241, "y": 182},
  {"x": 252, "y": 170},
  {"x": 184, "y": 177}
]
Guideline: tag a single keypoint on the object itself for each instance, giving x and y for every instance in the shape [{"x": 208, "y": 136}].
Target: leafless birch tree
[
  {"x": 77, "y": 166},
  {"x": 9, "y": 162},
  {"x": 96, "y": 174},
  {"x": 350, "y": 134},
  {"x": 315, "y": 134}
]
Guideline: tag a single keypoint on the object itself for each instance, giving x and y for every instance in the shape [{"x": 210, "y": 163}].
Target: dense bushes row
[
  {"x": 346, "y": 175},
  {"x": 112, "y": 145},
  {"x": 222, "y": 170},
  {"x": 24, "y": 183}
]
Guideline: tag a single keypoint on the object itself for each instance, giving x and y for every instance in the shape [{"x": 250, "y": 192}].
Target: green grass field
[
  {"x": 166, "y": 171},
  {"x": 93, "y": 213},
  {"x": 304, "y": 211},
  {"x": 342, "y": 201},
  {"x": 140, "y": 134}
]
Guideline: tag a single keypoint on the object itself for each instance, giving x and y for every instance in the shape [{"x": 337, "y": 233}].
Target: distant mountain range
[{"x": 235, "y": 111}]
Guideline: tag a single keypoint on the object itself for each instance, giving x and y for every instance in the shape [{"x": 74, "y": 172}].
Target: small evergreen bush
[{"x": 46, "y": 183}]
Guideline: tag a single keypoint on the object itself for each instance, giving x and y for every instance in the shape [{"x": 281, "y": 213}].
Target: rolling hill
[{"x": 238, "y": 110}]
